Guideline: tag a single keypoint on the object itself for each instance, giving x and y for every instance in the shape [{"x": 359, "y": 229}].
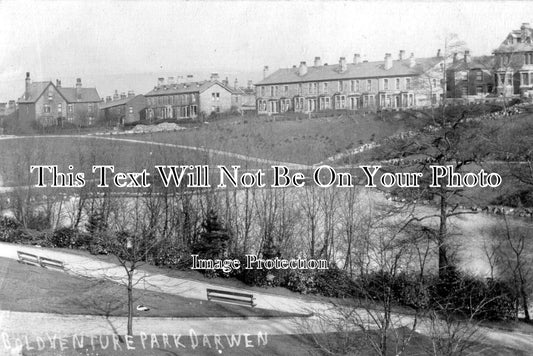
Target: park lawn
[
  {"x": 19, "y": 154},
  {"x": 296, "y": 345},
  {"x": 34, "y": 289},
  {"x": 288, "y": 138}
]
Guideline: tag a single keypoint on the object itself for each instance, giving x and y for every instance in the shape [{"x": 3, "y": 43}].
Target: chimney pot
[
  {"x": 438, "y": 52},
  {"x": 401, "y": 55},
  {"x": 467, "y": 57},
  {"x": 318, "y": 62},
  {"x": 388, "y": 61},
  {"x": 342, "y": 64},
  {"x": 160, "y": 81},
  {"x": 27, "y": 86},
  {"x": 302, "y": 70},
  {"x": 412, "y": 61},
  {"x": 356, "y": 58}
]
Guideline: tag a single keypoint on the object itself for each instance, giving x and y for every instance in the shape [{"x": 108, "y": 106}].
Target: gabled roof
[
  {"x": 353, "y": 71},
  {"x": 525, "y": 36},
  {"x": 480, "y": 62},
  {"x": 87, "y": 95},
  {"x": 184, "y": 88},
  {"x": 36, "y": 90},
  {"x": 118, "y": 102}
]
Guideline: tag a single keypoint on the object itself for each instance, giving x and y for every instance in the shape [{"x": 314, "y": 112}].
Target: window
[
  {"x": 310, "y": 88},
  {"x": 59, "y": 109},
  {"x": 286, "y": 89},
  {"x": 130, "y": 109},
  {"x": 324, "y": 103},
  {"x": 479, "y": 89},
  {"x": 315, "y": 88},
  {"x": 357, "y": 86},
  {"x": 407, "y": 83},
  {"x": 339, "y": 86},
  {"x": 479, "y": 76},
  {"x": 324, "y": 88},
  {"x": 340, "y": 102},
  {"x": 276, "y": 90},
  {"x": 434, "y": 83},
  {"x": 263, "y": 91},
  {"x": 215, "y": 96},
  {"x": 352, "y": 86},
  {"x": 385, "y": 84},
  {"x": 50, "y": 94},
  {"x": 397, "y": 84},
  {"x": 525, "y": 79},
  {"x": 368, "y": 85},
  {"x": 271, "y": 90},
  {"x": 70, "y": 108},
  {"x": 90, "y": 108},
  {"x": 46, "y": 109},
  {"x": 300, "y": 89}
]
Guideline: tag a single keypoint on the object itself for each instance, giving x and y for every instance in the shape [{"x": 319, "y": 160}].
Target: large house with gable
[
  {"x": 46, "y": 103},
  {"x": 360, "y": 85},
  {"x": 514, "y": 63}
]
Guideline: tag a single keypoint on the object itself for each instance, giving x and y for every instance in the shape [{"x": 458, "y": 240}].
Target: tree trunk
[
  {"x": 441, "y": 239},
  {"x": 130, "y": 303}
]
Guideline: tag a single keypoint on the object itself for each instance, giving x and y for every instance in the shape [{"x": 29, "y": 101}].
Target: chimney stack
[
  {"x": 412, "y": 61},
  {"x": 108, "y": 99},
  {"x": 388, "y": 61},
  {"x": 468, "y": 59},
  {"x": 28, "y": 85},
  {"x": 236, "y": 84},
  {"x": 302, "y": 69},
  {"x": 438, "y": 53},
  {"x": 265, "y": 72},
  {"x": 356, "y": 58},
  {"x": 455, "y": 57},
  {"x": 131, "y": 93},
  {"x": 190, "y": 77},
  {"x": 58, "y": 83},
  {"x": 116, "y": 96},
  {"x": 123, "y": 95},
  {"x": 78, "y": 88},
  {"x": 525, "y": 25},
  {"x": 170, "y": 80},
  {"x": 225, "y": 81},
  {"x": 401, "y": 55},
  {"x": 249, "y": 84},
  {"x": 318, "y": 62},
  {"x": 160, "y": 82},
  {"x": 214, "y": 77},
  {"x": 342, "y": 64}
]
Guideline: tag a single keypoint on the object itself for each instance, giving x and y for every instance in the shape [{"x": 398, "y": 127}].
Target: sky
[{"x": 126, "y": 45}]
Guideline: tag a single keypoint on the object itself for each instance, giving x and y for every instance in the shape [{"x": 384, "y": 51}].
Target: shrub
[
  {"x": 336, "y": 283},
  {"x": 63, "y": 238},
  {"x": 301, "y": 281},
  {"x": 9, "y": 229}
]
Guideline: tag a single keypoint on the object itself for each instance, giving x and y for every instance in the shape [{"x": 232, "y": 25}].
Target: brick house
[
  {"x": 470, "y": 77},
  {"x": 187, "y": 100},
  {"x": 360, "y": 85},
  {"x": 514, "y": 63},
  {"x": 124, "y": 109},
  {"x": 48, "y": 104}
]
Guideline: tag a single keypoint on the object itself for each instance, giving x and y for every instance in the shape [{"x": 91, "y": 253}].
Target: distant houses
[
  {"x": 123, "y": 109},
  {"x": 405, "y": 82},
  {"x": 46, "y": 103},
  {"x": 470, "y": 77}
]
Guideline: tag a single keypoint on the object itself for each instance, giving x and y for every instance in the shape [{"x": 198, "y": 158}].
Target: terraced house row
[{"x": 391, "y": 84}]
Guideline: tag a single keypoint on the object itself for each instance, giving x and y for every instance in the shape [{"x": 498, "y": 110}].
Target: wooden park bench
[
  {"x": 28, "y": 258},
  {"x": 231, "y": 297},
  {"x": 50, "y": 263}
]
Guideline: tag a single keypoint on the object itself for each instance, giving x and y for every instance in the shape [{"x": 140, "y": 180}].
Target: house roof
[
  {"x": 36, "y": 90},
  {"x": 480, "y": 62},
  {"x": 525, "y": 36},
  {"x": 87, "y": 95},
  {"x": 184, "y": 88},
  {"x": 360, "y": 70},
  {"x": 118, "y": 102}
]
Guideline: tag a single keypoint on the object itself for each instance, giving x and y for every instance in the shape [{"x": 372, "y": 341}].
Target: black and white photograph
[{"x": 303, "y": 178}]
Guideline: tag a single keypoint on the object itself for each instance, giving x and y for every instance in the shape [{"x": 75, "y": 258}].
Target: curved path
[{"x": 20, "y": 324}]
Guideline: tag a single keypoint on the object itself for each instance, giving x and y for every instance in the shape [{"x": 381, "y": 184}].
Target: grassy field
[
  {"x": 34, "y": 289},
  {"x": 294, "y": 139}
]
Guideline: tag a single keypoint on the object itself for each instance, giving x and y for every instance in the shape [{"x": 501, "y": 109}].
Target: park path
[{"x": 19, "y": 324}]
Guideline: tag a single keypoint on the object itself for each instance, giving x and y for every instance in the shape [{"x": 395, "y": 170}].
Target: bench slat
[
  {"x": 230, "y": 297},
  {"x": 245, "y": 295}
]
